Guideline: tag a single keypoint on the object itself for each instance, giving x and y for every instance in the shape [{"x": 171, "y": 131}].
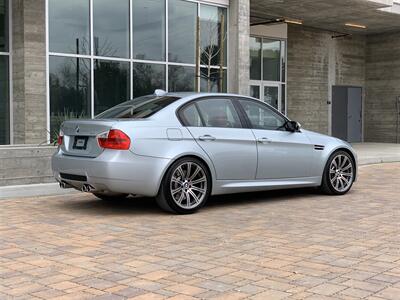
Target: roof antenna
[{"x": 160, "y": 92}]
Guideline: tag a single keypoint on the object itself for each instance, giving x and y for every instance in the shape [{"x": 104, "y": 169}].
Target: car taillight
[
  {"x": 60, "y": 138},
  {"x": 114, "y": 139}
]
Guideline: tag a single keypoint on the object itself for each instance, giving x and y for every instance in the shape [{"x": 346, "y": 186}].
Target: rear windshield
[{"x": 138, "y": 108}]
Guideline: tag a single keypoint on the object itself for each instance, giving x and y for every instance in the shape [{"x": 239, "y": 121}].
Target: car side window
[
  {"x": 219, "y": 113},
  {"x": 191, "y": 116},
  {"x": 261, "y": 116}
]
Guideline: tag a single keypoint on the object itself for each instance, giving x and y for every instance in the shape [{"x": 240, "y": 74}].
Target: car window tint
[
  {"x": 219, "y": 113},
  {"x": 191, "y": 117},
  {"x": 139, "y": 108},
  {"x": 261, "y": 116}
]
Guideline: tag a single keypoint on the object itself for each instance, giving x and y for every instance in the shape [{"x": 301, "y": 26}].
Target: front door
[
  {"x": 215, "y": 125},
  {"x": 281, "y": 154}
]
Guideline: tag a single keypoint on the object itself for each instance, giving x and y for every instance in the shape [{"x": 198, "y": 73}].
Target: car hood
[{"x": 316, "y": 135}]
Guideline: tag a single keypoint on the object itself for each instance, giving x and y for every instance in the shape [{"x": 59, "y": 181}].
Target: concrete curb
[
  {"x": 33, "y": 190},
  {"x": 372, "y": 161}
]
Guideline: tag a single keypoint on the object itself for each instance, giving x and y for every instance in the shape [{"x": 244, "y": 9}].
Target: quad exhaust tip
[
  {"x": 64, "y": 185},
  {"x": 87, "y": 188}
]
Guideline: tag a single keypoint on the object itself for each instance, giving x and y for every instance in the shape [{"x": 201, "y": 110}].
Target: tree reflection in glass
[
  {"x": 147, "y": 78},
  {"x": 111, "y": 84},
  {"x": 181, "y": 79},
  {"x": 69, "y": 90},
  {"x": 3, "y": 25}
]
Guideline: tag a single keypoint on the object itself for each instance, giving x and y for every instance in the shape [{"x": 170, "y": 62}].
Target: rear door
[
  {"x": 217, "y": 128},
  {"x": 281, "y": 153}
]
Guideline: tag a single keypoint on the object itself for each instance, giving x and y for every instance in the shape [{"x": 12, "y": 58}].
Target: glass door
[
  {"x": 268, "y": 71},
  {"x": 271, "y": 95},
  {"x": 269, "y": 92}
]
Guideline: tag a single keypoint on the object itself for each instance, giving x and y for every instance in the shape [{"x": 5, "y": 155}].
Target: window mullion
[
  {"x": 91, "y": 60},
  {"x": 131, "y": 48},
  {"x": 166, "y": 44}
]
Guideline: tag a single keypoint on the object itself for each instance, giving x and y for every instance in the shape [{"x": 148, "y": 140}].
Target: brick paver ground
[{"x": 273, "y": 245}]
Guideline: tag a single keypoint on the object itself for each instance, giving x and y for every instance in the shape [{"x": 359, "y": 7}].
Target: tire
[
  {"x": 339, "y": 174},
  {"x": 184, "y": 193},
  {"x": 110, "y": 196}
]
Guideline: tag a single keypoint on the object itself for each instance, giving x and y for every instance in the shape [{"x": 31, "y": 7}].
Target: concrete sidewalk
[
  {"x": 368, "y": 153},
  {"x": 375, "y": 153}
]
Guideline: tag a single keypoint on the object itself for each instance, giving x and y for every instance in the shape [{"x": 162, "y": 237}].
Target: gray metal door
[
  {"x": 347, "y": 113},
  {"x": 354, "y": 113}
]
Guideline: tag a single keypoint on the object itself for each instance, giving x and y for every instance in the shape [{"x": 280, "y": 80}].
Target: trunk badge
[{"x": 77, "y": 129}]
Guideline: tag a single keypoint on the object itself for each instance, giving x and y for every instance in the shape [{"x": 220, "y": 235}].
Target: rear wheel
[
  {"x": 110, "y": 196},
  {"x": 338, "y": 174},
  {"x": 186, "y": 186}
]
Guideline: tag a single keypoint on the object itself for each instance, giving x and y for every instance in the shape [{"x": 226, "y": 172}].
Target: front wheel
[
  {"x": 339, "y": 174},
  {"x": 186, "y": 186}
]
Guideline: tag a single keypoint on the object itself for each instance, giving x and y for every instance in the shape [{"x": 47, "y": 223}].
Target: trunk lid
[{"x": 80, "y": 136}]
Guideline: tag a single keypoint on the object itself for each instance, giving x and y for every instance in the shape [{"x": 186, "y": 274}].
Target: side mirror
[{"x": 292, "y": 126}]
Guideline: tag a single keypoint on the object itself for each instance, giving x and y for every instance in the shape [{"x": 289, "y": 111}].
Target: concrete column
[
  {"x": 331, "y": 78},
  {"x": 239, "y": 52},
  {"x": 29, "y": 71}
]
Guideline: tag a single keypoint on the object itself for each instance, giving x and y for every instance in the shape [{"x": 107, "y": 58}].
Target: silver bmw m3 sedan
[{"x": 183, "y": 147}]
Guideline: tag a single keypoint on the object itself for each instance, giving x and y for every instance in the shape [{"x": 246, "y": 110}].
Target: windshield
[{"x": 138, "y": 108}]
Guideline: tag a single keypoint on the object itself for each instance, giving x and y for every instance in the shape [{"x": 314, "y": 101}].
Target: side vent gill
[{"x": 319, "y": 147}]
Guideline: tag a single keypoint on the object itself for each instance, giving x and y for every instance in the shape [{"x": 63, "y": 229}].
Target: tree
[{"x": 210, "y": 50}]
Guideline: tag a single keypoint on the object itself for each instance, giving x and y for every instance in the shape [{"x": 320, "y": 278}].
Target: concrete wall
[
  {"x": 383, "y": 87},
  {"x": 316, "y": 62},
  {"x": 29, "y": 71},
  {"x": 25, "y": 164},
  {"x": 307, "y": 77}
]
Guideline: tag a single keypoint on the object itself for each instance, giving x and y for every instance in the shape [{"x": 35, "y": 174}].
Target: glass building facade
[
  {"x": 4, "y": 74},
  {"x": 103, "y": 52}
]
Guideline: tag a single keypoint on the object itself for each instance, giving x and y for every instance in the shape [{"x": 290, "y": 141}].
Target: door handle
[
  {"x": 264, "y": 140},
  {"x": 206, "y": 137}
]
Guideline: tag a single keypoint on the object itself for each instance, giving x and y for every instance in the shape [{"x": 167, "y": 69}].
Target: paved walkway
[{"x": 273, "y": 245}]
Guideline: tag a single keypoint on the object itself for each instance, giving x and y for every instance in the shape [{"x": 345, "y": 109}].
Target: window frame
[
  {"x": 184, "y": 123},
  {"x": 261, "y": 103},
  {"x": 182, "y": 118}
]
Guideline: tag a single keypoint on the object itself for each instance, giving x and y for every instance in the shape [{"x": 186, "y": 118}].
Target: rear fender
[{"x": 199, "y": 155}]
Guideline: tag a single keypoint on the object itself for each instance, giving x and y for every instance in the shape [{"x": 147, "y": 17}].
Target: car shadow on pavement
[
  {"x": 92, "y": 205},
  {"x": 263, "y": 196},
  {"x": 141, "y": 205}
]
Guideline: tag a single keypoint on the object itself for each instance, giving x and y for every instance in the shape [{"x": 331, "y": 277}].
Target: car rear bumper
[{"x": 112, "y": 171}]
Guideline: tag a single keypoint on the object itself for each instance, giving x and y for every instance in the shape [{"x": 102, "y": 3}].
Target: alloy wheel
[
  {"x": 188, "y": 185},
  {"x": 341, "y": 173}
]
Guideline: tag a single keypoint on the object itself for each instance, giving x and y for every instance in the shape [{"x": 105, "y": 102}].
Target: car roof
[{"x": 201, "y": 94}]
